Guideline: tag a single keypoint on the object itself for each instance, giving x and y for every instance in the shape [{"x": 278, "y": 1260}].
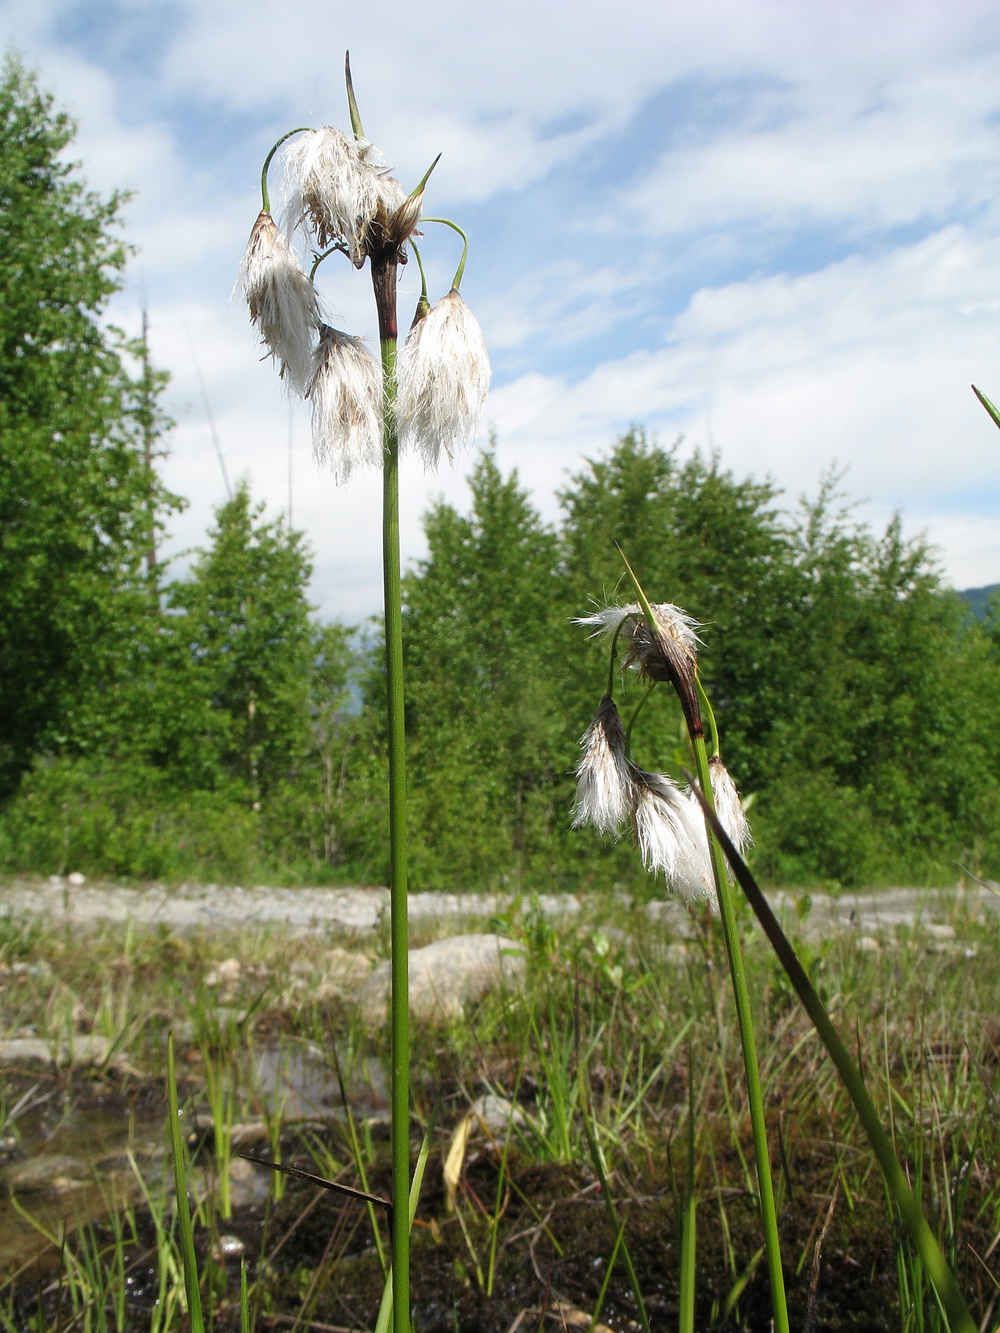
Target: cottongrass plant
[
  {"x": 696, "y": 836},
  {"x": 661, "y": 645},
  {"x": 343, "y": 199}
]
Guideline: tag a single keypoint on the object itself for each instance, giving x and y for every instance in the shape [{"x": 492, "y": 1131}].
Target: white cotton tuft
[
  {"x": 676, "y": 624},
  {"x": 281, "y": 300},
  {"x": 668, "y": 835},
  {"x": 603, "y": 782},
  {"x": 339, "y": 188},
  {"x": 346, "y": 397},
  {"x": 443, "y": 373},
  {"x": 728, "y": 806}
]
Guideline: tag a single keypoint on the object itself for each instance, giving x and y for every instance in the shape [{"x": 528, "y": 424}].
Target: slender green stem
[
  {"x": 926, "y": 1242},
  {"x": 325, "y": 254},
  {"x": 689, "y": 1222},
  {"x": 755, "y": 1097},
  {"x": 191, "y": 1286},
  {"x": 635, "y": 716},
  {"x": 446, "y": 222},
  {"x": 384, "y": 280},
  {"x": 265, "y": 197},
  {"x": 708, "y": 713}
]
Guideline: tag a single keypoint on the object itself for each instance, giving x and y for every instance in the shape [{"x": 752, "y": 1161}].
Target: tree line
[{"x": 209, "y": 726}]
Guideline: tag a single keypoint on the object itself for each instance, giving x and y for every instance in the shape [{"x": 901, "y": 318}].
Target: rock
[
  {"x": 87, "y": 1049},
  {"x": 228, "y": 1247},
  {"x": 938, "y": 930},
  {"x": 76, "y": 879},
  {"x": 55, "y": 1174},
  {"x": 868, "y": 944},
  {"x": 446, "y": 976},
  {"x": 495, "y": 1113},
  {"x": 226, "y": 973}
]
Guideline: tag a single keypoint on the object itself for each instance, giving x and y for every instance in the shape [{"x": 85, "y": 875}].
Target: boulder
[{"x": 446, "y": 976}]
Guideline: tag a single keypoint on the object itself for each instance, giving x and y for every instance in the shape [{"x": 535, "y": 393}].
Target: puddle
[{"x": 65, "y": 1159}]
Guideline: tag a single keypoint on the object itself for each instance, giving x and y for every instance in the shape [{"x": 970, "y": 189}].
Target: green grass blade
[
  {"x": 386, "y": 1306},
  {"x": 180, "y": 1190},
  {"x": 929, "y": 1250},
  {"x": 244, "y": 1299},
  {"x": 609, "y": 1203}
]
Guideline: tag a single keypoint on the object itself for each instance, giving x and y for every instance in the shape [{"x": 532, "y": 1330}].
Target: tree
[
  {"x": 77, "y": 502},
  {"x": 244, "y": 623}
]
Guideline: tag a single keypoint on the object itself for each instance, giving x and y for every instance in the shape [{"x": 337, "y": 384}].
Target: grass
[{"x": 622, "y": 1061}]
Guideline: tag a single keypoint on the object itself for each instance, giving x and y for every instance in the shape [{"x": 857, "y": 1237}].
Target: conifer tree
[{"x": 78, "y": 504}]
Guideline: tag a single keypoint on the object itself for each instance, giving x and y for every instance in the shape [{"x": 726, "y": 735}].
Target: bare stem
[{"x": 384, "y": 271}]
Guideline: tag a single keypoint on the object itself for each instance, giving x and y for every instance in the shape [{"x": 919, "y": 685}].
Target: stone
[
  {"x": 55, "y": 1174},
  {"x": 226, "y": 973},
  {"x": 228, "y": 1247},
  {"x": 87, "y": 1049},
  {"x": 446, "y": 976},
  {"x": 496, "y": 1113},
  {"x": 76, "y": 879}
]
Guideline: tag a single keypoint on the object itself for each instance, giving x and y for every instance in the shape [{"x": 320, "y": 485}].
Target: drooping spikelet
[
  {"x": 603, "y": 780},
  {"x": 667, "y": 830},
  {"x": 728, "y": 805},
  {"x": 346, "y": 397},
  {"x": 443, "y": 373},
  {"x": 281, "y": 300}
]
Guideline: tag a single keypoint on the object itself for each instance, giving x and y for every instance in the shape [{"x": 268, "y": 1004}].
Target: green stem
[
  {"x": 265, "y": 197},
  {"x": 446, "y": 222},
  {"x": 755, "y": 1097},
  {"x": 708, "y": 713},
  {"x": 635, "y": 716},
  {"x": 384, "y": 269},
  {"x": 928, "y": 1248},
  {"x": 689, "y": 1221},
  {"x": 325, "y": 254}
]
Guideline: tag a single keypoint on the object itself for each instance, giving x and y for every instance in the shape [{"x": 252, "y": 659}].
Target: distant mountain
[{"x": 979, "y": 598}]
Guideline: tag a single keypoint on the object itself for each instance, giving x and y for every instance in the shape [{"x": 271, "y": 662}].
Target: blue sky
[{"x": 771, "y": 228}]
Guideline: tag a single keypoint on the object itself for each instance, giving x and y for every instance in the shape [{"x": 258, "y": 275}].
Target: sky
[{"x": 772, "y": 229}]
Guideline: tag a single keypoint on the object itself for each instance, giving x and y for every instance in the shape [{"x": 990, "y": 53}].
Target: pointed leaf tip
[
  {"x": 352, "y": 103},
  {"x": 994, "y": 413}
]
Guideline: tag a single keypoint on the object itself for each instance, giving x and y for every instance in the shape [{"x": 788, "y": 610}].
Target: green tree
[
  {"x": 78, "y": 504},
  {"x": 244, "y": 623}
]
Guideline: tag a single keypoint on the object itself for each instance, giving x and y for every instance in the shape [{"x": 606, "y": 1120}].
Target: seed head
[
  {"x": 346, "y": 396},
  {"x": 728, "y": 805},
  {"x": 281, "y": 300},
  {"x": 342, "y": 191},
  {"x": 443, "y": 373},
  {"x": 603, "y": 787},
  {"x": 671, "y": 833},
  {"x": 664, "y": 651}
]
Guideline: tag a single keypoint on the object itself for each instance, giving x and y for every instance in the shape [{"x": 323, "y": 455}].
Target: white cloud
[
  {"x": 866, "y": 362},
  {"x": 871, "y": 153}
]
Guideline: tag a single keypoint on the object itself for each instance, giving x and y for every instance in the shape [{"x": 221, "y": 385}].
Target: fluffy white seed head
[
  {"x": 340, "y": 189},
  {"x": 443, "y": 373},
  {"x": 675, "y": 624},
  {"x": 346, "y": 397},
  {"x": 728, "y": 806},
  {"x": 603, "y": 784},
  {"x": 667, "y": 834},
  {"x": 281, "y": 300}
]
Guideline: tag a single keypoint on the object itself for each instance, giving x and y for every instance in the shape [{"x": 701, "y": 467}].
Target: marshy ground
[{"x": 620, "y": 1022}]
